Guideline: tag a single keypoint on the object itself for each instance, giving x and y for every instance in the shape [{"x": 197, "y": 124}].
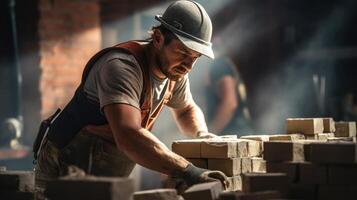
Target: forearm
[
  {"x": 145, "y": 149},
  {"x": 190, "y": 120}
]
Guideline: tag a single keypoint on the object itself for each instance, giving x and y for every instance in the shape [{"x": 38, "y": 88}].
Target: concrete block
[
  {"x": 220, "y": 149},
  {"x": 289, "y": 168},
  {"x": 156, "y": 194},
  {"x": 329, "y": 125},
  {"x": 90, "y": 188},
  {"x": 342, "y": 174},
  {"x": 229, "y": 166},
  {"x": 207, "y": 191},
  {"x": 255, "y": 182},
  {"x": 23, "y": 181},
  {"x": 333, "y": 152},
  {"x": 306, "y": 126},
  {"x": 187, "y": 148},
  {"x": 283, "y": 151},
  {"x": 345, "y": 129},
  {"x": 199, "y": 162},
  {"x": 250, "y": 196},
  {"x": 258, "y": 164},
  {"x": 312, "y": 173},
  {"x": 246, "y": 164},
  {"x": 254, "y": 147},
  {"x": 235, "y": 183}
]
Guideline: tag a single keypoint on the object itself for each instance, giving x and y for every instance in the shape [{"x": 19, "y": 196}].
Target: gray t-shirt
[{"x": 117, "y": 78}]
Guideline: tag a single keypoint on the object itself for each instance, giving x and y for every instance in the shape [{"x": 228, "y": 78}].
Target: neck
[{"x": 154, "y": 68}]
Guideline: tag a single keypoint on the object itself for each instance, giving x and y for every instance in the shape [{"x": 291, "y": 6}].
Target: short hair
[{"x": 168, "y": 35}]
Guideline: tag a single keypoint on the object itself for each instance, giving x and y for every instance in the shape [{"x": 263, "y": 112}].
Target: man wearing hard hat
[{"x": 105, "y": 128}]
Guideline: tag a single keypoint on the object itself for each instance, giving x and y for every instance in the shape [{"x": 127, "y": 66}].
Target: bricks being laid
[
  {"x": 23, "y": 181},
  {"x": 345, "y": 129},
  {"x": 207, "y": 191},
  {"x": 289, "y": 168},
  {"x": 157, "y": 194},
  {"x": 90, "y": 188},
  {"x": 199, "y": 162},
  {"x": 250, "y": 196},
  {"x": 255, "y": 182},
  {"x": 283, "y": 151},
  {"x": 224, "y": 149},
  {"x": 235, "y": 183},
  {"x": 312, "y": 173},
  {"x": 254, "y": 147},
  {"x": 342, "y": 174},
  {"x": 246, "y": 165},
  {"x": 187, "y": 148},
  {"x": 333, "y": 152},
  {"x": 329, "y": 125},
  {"x": 306, "y": 126},
  {"x": 229, "y": 166},
  {"x": 258, "y": 164}
]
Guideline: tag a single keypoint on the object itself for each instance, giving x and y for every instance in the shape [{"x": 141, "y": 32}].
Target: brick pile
[{"x": 16, "y": 185}]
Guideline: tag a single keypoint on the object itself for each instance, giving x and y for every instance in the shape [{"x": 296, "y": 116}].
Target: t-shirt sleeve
[
  {"x": 119, "y": 81},
  {"x": 181, "y": 95}
]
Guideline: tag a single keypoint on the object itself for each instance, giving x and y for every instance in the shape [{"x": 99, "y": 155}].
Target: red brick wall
[{"x": 69, "y": 34}]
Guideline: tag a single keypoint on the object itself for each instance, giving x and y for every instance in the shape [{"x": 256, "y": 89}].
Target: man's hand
[
  {"x": 194, "y": 175},
  {"x": 206, "y": 135}
]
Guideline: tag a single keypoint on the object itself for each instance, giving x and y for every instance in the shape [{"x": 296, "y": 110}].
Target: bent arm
[
  {"x": 227, "y": 104},
  {"x": 139, "y": 144},
  {"x": 190, "y": 119}
]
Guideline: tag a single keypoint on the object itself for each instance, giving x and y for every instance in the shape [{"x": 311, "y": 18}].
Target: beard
[{"x": 170, "y": 74}]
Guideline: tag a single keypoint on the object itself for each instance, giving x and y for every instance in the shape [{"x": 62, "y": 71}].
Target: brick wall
[{"x": 69, "y": 34}]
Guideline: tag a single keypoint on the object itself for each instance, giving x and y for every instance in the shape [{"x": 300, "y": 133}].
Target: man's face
[{"x": 175, "y": 60}]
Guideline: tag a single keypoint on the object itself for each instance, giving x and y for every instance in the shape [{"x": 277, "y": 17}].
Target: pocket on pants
[{"x": 108, "y": 160}]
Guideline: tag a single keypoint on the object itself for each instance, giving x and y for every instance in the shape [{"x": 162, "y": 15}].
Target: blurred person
[
  {"x": 105, "y": 128},
  {"x": 227, "y": 111}
]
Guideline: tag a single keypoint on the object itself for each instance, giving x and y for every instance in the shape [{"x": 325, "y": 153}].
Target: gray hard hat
[{"x": 189, "y": 21}]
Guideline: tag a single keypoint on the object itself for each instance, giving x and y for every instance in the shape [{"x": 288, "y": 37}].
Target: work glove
[{"x": 193, "y": 175}]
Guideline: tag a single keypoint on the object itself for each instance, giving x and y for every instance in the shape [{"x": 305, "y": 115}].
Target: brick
[
  {"x": 199, "y": 162},
  {"x": 187, "y": 148},
  {"x": 255, "y": 182},
  {"x": 258, "y": 164},
  {"x": 289, "y": 168},
  {"x": 250, "y": 196},
  {"x": 345, "y": 129},
  {"x": 333, "y": 152},
  {"x": 287, "y": 137},
  {"x": 229, "y": 166},
  {"x": 90, "y": 188},
  {"x": 156, "y": 194},
  {"x": 283, "y": 151},
  {"x": 311, "y": 173},
  {"x": 306, "y": 126},
  {"x": 342, "y": 174},
  {"x": 16, "y": 195},
  {"x": 235, "y": 183},
  {"x": 329, "y": 125},
  {"x": 336, "y": 192},
  {"x": 223, "y": 149},
  {"x": 246, "y": 164},
  {"x": 207, "y": 191},
  {"x": 254, "y": 147},
  {"x": 23, "y": 181}
]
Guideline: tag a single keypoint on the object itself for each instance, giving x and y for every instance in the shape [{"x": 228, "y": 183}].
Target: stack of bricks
[
  {"x": 90, "y": 188},
  {"x": 323, "y": 166},
  {"x": 16, "y": 185}
]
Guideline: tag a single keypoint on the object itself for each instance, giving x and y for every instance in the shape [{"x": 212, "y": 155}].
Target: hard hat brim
[{"x": 191, "y": 42}]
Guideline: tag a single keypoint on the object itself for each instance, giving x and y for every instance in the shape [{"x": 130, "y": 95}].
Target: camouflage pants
[{"x": 89, "y": 152}]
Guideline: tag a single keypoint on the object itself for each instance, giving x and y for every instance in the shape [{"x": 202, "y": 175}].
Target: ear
[{"x": 158, "y": 39}]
